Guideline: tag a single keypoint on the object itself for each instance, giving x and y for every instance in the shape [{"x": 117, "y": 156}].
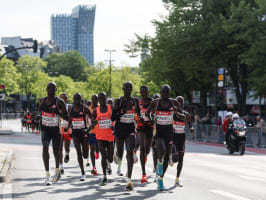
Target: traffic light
[{"x": 35, "y": 46}]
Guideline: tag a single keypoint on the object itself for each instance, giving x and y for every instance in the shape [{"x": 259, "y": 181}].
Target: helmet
[
  {"x": 235, "y": 116},
  {"x": 229, "y": 113}
]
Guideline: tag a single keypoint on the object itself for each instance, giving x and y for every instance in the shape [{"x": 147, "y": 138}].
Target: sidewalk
[
  {"x": 5, "y": 131},
  {"x": 6, "y": 155}
]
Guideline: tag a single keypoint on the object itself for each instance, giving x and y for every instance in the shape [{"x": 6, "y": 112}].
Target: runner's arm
[
  {"x": 151, "y": 108},
  {"x": 177, "y": 110},
  {"x": 93, "y": 119},
  {"x": 116, "y": 114}
]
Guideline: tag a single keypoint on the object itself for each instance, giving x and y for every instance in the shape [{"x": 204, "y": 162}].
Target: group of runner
[
  {"x": 30, "y": 122},
  {"x": 158, "y": 123}
]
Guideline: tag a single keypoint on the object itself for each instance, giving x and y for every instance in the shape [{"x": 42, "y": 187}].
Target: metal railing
[
  {"x": 10, "y": 115},
  {"x": 256, "y": 137}
]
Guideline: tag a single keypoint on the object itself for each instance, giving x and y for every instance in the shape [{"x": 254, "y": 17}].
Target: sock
[
  {"x": 67, "y": 153},
  {"x": 104, "y": 177},
  {"x": 129, "y": 180},
  {"x": 47, "y": 173},
  {"x": 61, "y": 165},
  {"x": 177, "y": 179},
  {"x": 56, "y": 170}
]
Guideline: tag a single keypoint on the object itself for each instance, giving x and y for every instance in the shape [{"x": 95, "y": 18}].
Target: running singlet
[
  {"x": 29, "y": 119},
  {"x": 179, "y": 127},
  {"x": 93, "y": 131},
  {"x": 129, "y": 116},
  {"x": 103, "y": 130},
  {"x": 64, "y": 123},
  {"x": 78, "y": 120},
  {"x": 49, "y": 120},
  {"x": 164, "y": 121}
]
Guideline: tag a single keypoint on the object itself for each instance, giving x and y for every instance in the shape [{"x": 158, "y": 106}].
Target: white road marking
[
  {"x": 252, "y": 178},
  {"x": 7, "y": 192},
  {"x": 229, "y": 195}
]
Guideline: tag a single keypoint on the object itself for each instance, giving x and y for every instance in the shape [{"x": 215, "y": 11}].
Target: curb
[
  {"x": 6, "y": 166},
  {"x": 6, "y": 131}
]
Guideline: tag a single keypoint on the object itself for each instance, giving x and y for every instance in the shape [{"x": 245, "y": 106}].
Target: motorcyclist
[{"x": 227, "y": 123}]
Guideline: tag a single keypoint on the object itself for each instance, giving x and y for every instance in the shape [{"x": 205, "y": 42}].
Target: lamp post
[{"x": 110, "y": 69}]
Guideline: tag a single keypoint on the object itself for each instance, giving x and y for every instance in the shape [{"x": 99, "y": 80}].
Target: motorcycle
[{"x": 237, "y": 138}]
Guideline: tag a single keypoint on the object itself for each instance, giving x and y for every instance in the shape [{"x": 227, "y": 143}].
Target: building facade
[{"x": 75, "y": 31}]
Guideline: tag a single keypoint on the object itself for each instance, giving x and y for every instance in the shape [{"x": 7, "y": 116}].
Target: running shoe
[
  {"x": 66, "y": 159},
  {"x": 144, "y": 179},
  {"x": 119, "y": 173},
  {"x": 177, "y": 183},
  {"x": 57, "y": 177},
  {"x": 116, "y": 159},
  {"x": 83, "y": 177},
  {"x": 135, "y": 157},
  {"x": 47, "y": 181},
  {"x": 129, "y": 186},
  {"x": 160, "y": 169},
  {"x": 87, "y": 164},
  {"x": 62, "y": 171},
  {"x": 97, "y": 156},
  {"x": 104, "y": 181},
  {"x": 160, "y": 184},
  {"x": 94, "y": 171}
]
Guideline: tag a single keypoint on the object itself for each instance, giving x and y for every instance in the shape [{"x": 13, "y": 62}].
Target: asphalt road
[{"x": 209, "y": 173}]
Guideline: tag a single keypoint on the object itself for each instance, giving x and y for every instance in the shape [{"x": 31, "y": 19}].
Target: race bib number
[
  {"x": 64, "y": 124},
  {"x": 104, "y": 124},
  {"x": 78, "y": 123},
  {"x": 164, "y": 118},
  {"x": 49, "y": 119},
  {"x": 128, "y": 117},
  {"x": 179, "y": 127}
]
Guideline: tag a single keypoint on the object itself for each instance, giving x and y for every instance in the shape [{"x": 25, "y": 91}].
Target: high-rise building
[{"x": 75, "y": 31}]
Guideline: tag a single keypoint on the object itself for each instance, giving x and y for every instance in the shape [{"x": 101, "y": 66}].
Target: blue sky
[{"x": 116, "y": 21}]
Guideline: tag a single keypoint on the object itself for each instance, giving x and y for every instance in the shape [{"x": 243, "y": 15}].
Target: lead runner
[{"x": 51, "y": 107}]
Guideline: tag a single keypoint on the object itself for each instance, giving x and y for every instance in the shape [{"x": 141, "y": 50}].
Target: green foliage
[
  {"x": 9, "y": 76},
  {"x": 70, "y": 64}
]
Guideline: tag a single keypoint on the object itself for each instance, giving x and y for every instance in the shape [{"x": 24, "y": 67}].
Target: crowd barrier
[
  {"x": 256, "y": 137},
  {"x": 10, "y": 115}
]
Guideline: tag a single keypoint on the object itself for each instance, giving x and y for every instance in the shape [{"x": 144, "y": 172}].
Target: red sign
[{"x": 2, "y": 86}]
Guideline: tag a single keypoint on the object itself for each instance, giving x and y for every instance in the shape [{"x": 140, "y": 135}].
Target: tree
[
  {"x": 70, "y": 64},
  {"x": 9, "y": 76}
]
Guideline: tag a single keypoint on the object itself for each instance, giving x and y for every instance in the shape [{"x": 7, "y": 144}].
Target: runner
[
  {"x": 78, "y": 123},
  {"x": 154, "y": 147},
  {"x": 124, "y": 115},
  {"x": 144, "y": 128},
  {"x": 180, "y": 138},
  {"x": 29, "y": 121},
  {"x": 163, "y": 109},
  {"x": 104, "y": 133},
  {"x": 50, "y": 108},
  {"x": 66, "y": 139},
  {"x": 94, "y": 154}
]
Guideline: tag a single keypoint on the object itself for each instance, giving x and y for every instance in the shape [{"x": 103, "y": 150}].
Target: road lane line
[
  {"x": 229, "y": 195},
  {"x": 7, "y": 192}
]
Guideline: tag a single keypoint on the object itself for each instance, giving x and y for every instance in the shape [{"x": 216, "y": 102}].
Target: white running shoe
[
  {"x": 57, "y": 177},
  {"x": 83, "y": 177},
  {"x": 47, "y": 181},
  {"x": 178, "y": 184}
]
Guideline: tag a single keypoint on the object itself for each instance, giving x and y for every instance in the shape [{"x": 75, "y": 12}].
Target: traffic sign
[
  {"x": 220, "y": 83},
  {"x": 2, "y": 86},
  {"x": 221, "y": 71},
  {"x": 220, "y": 77},
  {"x": 2, "y": 97}
]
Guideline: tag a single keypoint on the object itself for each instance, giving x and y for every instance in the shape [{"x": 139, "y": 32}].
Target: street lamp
[{"x": 110, "y": 69}]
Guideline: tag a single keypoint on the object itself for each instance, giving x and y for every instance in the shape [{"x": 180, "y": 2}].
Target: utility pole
[{"x": 110, "y": 70}]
